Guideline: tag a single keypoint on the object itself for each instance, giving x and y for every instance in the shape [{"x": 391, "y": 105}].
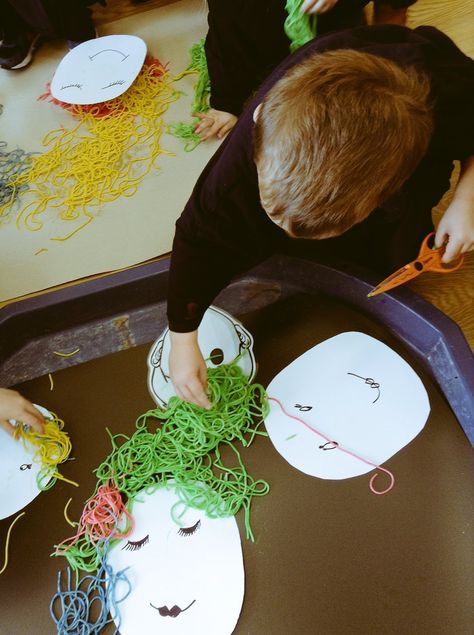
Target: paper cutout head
[
  {"x": 18, "y": 473},
  {"x": 184, "y": 579},
  {"x": 98, "y": 70},
  {"x": 221, "y": 339},
  {"x": 356, "y": 391}
]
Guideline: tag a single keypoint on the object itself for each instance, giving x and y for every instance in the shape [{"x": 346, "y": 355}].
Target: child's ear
[{"x": 256, "y": 113}]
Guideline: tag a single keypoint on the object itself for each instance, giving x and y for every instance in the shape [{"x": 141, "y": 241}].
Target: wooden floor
[{"x": 453, "y": 293}]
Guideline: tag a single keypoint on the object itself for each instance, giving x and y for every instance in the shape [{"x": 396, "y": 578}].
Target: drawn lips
[{"x": 174, "y": 611}]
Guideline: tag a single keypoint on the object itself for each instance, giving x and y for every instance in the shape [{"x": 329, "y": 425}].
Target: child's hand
[
  {"x": 188, "y": 370},
  {"x": 214, "y": 123},
  {"x": 317, "y": 6},
  {"x": 457, "y": 225},
  {"x": 457, "y": 228},
  {"x": 14, "y": 406}
]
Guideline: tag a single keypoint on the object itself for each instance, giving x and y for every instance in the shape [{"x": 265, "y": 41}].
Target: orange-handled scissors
[{"x": 429, "y": 259}]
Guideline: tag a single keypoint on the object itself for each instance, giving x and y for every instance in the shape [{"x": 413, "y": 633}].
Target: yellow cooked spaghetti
[
  {"x": 51, "y": 448},
  {"x": 106, "y": 155}
]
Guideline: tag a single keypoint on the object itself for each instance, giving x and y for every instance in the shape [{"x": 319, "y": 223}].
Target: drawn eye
[
  {"x": 135, "y": 546},
  {"x": 72, "y": 86},
  {"x": 25, "y": 466},
  {"x": 119, "y": 82},
  {"x": 189, "y": 531}
]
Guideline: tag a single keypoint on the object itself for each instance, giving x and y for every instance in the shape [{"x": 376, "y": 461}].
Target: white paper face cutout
[
  {"x": 183, "y": 580},
  {"x": 18, "y": 472},
  {"x": 358, "y": 393},
  {"x": 220, "y": 336},
  {"x": 98, "y": 70}
]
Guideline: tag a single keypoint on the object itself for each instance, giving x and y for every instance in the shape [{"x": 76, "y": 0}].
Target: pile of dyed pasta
[
  {"x": 185, "y": 444},
  {"x": 51, "y": 448},
  {"x": 105, "y": 155},
  {"x": 12, "y": 164}
]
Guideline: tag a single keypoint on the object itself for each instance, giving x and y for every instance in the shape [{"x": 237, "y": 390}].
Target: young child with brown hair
[
  {"x": 353, "y": 143},
  {"x": 247, "y": 40}
]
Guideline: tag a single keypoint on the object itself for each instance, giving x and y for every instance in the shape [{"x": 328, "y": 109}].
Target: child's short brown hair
[{"x": 336, "y": 136}]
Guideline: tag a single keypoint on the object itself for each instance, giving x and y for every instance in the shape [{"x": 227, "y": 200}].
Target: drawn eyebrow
[
  {"x": 72, "y": 86},
  {"x": 135, "y": 546},
  {"x": 189, "y": 531},
  {"x": 91, "y": 57},
  {"x": 118, "y": 82},
  {"x": 370, "y": 382}
]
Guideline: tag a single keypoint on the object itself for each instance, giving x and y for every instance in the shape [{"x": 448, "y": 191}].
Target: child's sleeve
[{"x": 452, "y": 77}]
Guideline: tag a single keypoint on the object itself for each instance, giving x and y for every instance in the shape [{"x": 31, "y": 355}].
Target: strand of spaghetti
[
  {"x": 51, "y": 382},
  {"x": 7, "y": 542},
  {"x": 68, "y": 520},
  {"x": 338, "y": 447},
  {"x": 60, "y": 354}
]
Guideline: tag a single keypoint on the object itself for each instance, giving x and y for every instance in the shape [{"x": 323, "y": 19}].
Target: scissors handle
[{"x": 429, "y": 258}]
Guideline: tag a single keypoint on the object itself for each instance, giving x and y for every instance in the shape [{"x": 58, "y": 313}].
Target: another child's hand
[
  {"x": 317, "y": 6},
  {"x": 214, "y": 123},
  {"x": 188, "y": 370},
  {"x": 456, "y": 229},
  {"x": 14, "y": 406}
]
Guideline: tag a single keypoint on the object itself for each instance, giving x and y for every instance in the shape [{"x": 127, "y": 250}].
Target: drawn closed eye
[
  {"x": 189, "y": 531},
  {"x": 135, "y": 546},
  {"x": 72, "y": 86},
  {"x": 118, "y": 82}
]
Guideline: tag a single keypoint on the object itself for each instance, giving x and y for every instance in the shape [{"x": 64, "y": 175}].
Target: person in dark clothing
[
  {"x": 368, "y": 121},
  {"x": 24, "y": 22},
  {"x": 247, "y": 40}
]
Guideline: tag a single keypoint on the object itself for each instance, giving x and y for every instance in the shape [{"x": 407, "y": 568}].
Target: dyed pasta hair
[{"x": 335, "y": 137}]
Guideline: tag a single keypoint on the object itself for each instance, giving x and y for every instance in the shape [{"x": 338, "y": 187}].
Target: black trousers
[{"x": 68, "y": 19}]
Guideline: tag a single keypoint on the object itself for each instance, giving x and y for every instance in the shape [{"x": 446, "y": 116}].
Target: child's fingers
[
  {"x": 7, "y": 426},
  {"x": 205, "y": 123},
  {"x": 441, "y": 237},
  {"x": 194, "y": 393},
  {"x": 33, "y": 418},
  {"x": 452, "y": 250},
  {"x": 317, "y": 6},
  {"x": 224, "y": 131}
]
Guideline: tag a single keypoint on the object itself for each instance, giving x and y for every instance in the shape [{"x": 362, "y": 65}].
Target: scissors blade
[{"x": 402, "y": 275}]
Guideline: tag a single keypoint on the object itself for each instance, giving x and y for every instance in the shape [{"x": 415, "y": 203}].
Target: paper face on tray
[
  {"x": 355, "y": 390},
  {"x": 187, "y": 579},
  {"x": 221, "y": 338},
  {"x": 18, "y": 473},
  {"x": 98, "y": 70}
]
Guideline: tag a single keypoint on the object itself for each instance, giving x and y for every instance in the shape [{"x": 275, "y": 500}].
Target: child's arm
[
  {"x": 14, "y": 406},
  {"x": 457, "y": 224},
  {"x": 188, "y": 369}
]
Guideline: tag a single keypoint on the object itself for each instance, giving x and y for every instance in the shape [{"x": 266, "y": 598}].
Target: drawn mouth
[{"x": 174, "y": 611}]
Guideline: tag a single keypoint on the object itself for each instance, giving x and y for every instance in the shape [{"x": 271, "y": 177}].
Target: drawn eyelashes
[
  {"x": 72, "y": 86},
  {"x": 183, "y": 531},
  {"x": 370, "y": 382},
  {"x": 135, "y": 546},
  {"x": 189, "y": 531},
  {"x": 118, "y": 82}
]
